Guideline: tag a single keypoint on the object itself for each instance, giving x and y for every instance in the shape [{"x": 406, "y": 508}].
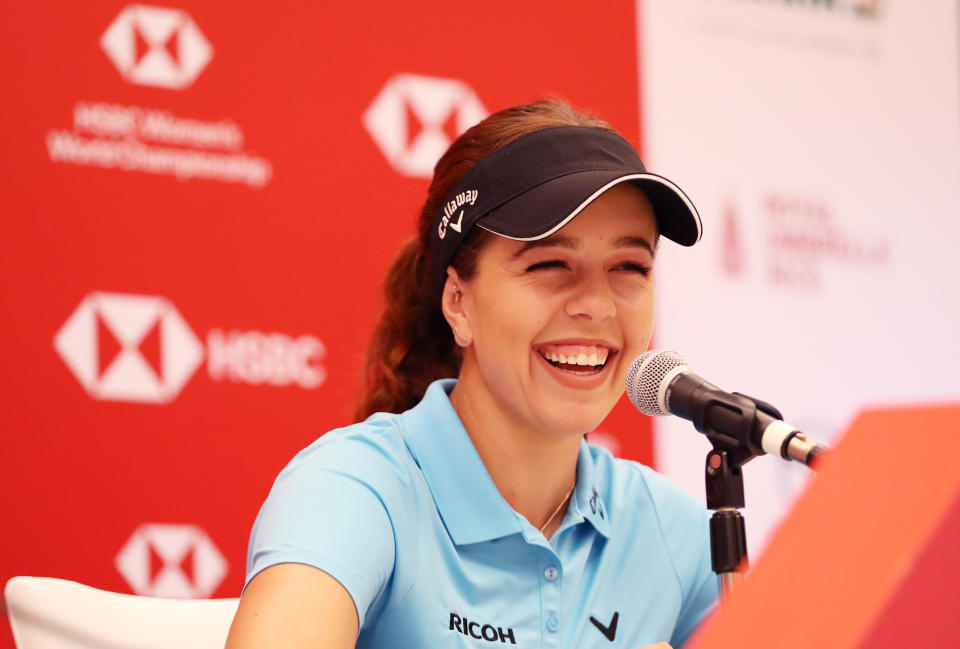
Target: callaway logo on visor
[{"x": 463, "y": 198}]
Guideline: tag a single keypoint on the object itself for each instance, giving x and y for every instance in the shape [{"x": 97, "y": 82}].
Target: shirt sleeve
[{"x": 330, "y": 508}]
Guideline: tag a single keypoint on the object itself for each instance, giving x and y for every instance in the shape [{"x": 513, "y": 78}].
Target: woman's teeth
[{"x": 571, "y": 355}]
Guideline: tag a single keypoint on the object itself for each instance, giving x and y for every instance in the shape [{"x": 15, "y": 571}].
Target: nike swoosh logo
[
  {"x": 610, "y": 631},
  {"x": 456, "y": 226}
]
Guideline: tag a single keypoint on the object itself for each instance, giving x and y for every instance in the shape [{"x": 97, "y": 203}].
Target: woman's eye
[
  {"x": 635, "y": 267},
  {"x": 553, "y": 263}
]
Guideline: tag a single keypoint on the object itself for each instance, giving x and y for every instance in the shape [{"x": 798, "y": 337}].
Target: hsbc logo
[
  {"x": 156, "y": 46},
  {"x": 161, "y": 47},
  {"x": 171, "y": 561},
  {"x": 129, "y": 347},
  {"x": 414, "y": 119},
  {"x": 139, "y": 348}
]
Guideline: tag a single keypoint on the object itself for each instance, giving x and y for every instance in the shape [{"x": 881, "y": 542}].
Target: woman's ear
[{"x": 452, "y": 303}]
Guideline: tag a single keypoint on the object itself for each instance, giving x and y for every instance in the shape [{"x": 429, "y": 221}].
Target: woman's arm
[{"x": 294, "y": 606}]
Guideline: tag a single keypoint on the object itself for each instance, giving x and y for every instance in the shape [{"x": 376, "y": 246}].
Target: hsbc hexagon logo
[
  {"x": 163, "y": 560},
  {"x": 415, "y": 118},
  {"x": 129, "y": 347},
  {"x": 156, "y": 46}
]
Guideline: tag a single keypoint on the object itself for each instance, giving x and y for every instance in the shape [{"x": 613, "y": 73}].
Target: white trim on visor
[{"x": 659, "y": 179}]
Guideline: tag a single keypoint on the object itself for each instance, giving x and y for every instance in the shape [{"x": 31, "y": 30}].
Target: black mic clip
[{"x": 730, "y": 422}]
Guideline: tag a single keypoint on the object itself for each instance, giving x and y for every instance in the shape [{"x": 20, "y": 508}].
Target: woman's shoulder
[
  {"x": 342, "y": 504},
  {"x": 372, "y": 452}
]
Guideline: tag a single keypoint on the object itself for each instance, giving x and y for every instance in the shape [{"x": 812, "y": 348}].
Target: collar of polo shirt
[{"x": 467, "y": 498}]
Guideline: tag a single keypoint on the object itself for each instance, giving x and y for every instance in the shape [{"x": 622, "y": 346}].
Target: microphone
[{"x": 659, "y": 383}]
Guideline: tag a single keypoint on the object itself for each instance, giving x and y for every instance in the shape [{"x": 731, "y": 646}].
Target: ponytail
[{"x": 412, "y": 344}]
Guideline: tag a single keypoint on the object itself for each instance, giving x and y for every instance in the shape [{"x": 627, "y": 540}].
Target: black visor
[{"x": 535, "y": 185}]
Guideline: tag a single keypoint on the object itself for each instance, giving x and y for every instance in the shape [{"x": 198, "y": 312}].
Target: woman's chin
[
  {"x": 568, "y": 424},
  {"x": 567, "y": 414}
]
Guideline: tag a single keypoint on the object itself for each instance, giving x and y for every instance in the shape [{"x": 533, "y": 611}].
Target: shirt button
[
  {"x": 551, "y": 573},
  {"x": 553, "y": 623}
]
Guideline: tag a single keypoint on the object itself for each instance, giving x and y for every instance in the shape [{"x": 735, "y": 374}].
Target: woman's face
[{"x": 554, "y": 324}]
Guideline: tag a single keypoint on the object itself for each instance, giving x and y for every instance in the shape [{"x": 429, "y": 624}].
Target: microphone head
[{"x": 648, "y": 377}]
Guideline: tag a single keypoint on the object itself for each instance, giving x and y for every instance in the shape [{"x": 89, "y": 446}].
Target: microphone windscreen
[{"x": 646, "y": 376}]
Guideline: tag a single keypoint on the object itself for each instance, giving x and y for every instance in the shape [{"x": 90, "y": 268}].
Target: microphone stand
[
  {"x": 728, "y": 533},
  {"x": 724, "y": 480}
]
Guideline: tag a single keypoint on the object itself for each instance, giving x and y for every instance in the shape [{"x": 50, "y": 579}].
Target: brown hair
[{"x": 412, "y": 344}]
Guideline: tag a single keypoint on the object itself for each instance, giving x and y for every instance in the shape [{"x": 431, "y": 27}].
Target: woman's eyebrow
[
  {"x": 563, "y": 242},
  {"x": 567, "y": 242},
  {"x": 633, "y": 242}
]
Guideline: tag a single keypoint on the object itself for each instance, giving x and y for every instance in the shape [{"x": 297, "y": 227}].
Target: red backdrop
[{"x": 199, "y": 202}]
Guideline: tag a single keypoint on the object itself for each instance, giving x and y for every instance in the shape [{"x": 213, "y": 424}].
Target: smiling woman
[
  {"x": 466, "y": 506},
  {"x": 580, "y": 295}
]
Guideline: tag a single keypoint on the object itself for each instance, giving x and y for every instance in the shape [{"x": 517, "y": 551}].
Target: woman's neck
[{"x": 533, "y": 470}]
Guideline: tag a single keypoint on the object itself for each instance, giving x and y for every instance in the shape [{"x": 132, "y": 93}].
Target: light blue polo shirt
[{"x": 401, "y": 510}]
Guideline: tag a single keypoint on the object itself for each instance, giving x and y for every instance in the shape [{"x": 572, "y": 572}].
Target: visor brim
[{"x": 543, "y": 210}]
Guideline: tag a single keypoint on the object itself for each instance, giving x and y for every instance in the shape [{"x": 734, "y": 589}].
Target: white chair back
[{"x": 59, "y": 614}]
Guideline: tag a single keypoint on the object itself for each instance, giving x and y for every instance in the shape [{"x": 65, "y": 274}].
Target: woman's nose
[{"x": 592, "y": 297}]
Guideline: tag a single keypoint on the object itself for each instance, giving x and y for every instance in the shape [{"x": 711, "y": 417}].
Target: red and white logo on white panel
[
  {"x": 415, "y": 118},
  {"x": 156, "y": 46},
  {"x": 129, "y": 347},
  {"x": 731, "y": 252},
  {"x": 162, "y": 560}
]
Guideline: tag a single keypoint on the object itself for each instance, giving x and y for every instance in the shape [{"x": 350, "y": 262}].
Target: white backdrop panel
[{"x": 822, "y": 147}]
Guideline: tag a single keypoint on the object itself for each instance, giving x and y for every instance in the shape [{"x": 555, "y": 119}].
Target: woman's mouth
[{"x": 579, "y": 360}]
